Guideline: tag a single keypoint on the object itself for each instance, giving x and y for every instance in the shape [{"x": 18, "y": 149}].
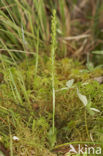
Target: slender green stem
[
  {"x": 86, "y": 125},
  {"x": 37, "y": 50},
  {"x": 53, "y": 47}
]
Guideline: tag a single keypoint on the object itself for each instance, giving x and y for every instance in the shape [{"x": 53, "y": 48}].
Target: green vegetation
[{"x": 51, "y": 76}]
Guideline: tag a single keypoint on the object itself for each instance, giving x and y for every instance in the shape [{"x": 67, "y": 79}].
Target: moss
[{"x": 32, "y": 124}]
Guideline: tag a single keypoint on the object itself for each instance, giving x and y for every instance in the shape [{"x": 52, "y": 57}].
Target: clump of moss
[{"x": 31, "y": 118}]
